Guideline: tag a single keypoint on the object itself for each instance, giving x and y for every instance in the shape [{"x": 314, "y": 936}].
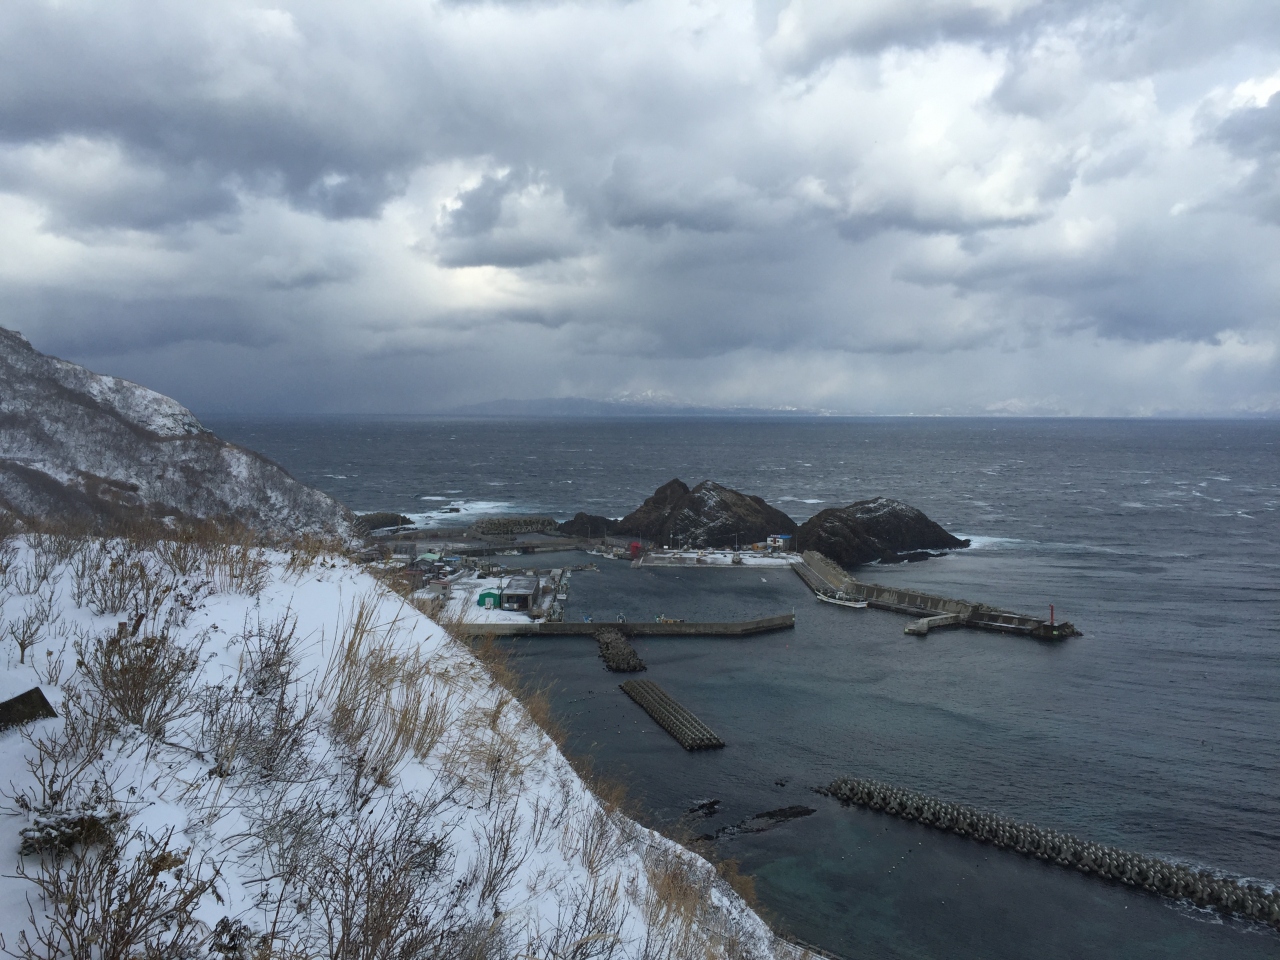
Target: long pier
[
  {"x": 1176, "y": 881},
  {"x": 688, "y": 731},
  {"x": 934, "y": 612},
  {"x": 640, "y": 628}
]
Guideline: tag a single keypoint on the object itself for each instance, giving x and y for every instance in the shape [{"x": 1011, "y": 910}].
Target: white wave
[
  {"x": 462, "y": 512},
  {"x": 798, "y": 500},
  {"x": 445, "y": 499},
  {"x": 978, "y": 543}
]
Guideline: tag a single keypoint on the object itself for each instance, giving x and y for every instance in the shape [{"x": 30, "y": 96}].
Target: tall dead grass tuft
[{"x": 385, "y": 702}]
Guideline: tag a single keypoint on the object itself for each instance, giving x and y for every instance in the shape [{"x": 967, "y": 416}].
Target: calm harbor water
[{"x": 1154, "y": 731}]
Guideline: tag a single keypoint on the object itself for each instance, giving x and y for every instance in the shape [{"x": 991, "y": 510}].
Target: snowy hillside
[
  {"x": 263, "y": 754},
  {"x": 77, "y": 444}
]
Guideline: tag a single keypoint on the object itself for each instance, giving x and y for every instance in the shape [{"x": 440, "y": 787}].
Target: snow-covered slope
[
  {"x": 77, "y": 444},
  {"x": 313, "y": 762}
]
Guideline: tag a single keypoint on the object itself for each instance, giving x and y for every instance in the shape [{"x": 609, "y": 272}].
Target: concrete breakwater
[
  {"x": 1248, "y": 900},
  {"x": 688, "y": 731},
  {"x": 640, "y": 628},
  {"x": 617, "y": 653},
  {"x": 935, "y": 612}
]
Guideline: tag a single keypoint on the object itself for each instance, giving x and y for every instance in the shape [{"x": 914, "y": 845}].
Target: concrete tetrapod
[{"x": 1248, "y": 900}]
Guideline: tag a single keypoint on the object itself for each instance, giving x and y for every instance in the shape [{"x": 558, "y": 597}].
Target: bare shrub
[
  {"x": 374, "y": 897},
  {"x": 121, "y": 898},
  {"x": 116, "y": 579},
  {"x": 39, "y": 614},
  {"x": 588, "y": 924},
  {"x": 8, "y": 561},
  {"x": 267, "y": 732},
  {"x": 502, "y": 852},
  {"x": 371, "y": 886},
  {"x": 183, "y": 554},
  {"x": 8, "y": 526},
  {"x": 145, "y": 680},
  {"x": 59, "y": 759},
  {"x": 59, "y": 547},
  {"x": 306, "y": 551},
  {"x": 271, "y": 649},
  {"x": 237, "y": 566},
  {"x": 49, "y": 673}
]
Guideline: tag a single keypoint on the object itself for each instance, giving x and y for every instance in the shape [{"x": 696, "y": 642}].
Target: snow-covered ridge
[
  {"x": 322, "y": 764},
  {"x": 152, "y": 411},
  {"x": 75, "y": 444}
]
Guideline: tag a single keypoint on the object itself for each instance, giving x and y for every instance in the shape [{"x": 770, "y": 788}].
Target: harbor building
[{"x": 521, "y": 593}]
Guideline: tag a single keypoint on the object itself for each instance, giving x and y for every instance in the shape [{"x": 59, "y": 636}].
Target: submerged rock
[
  {"x": 78, "y": 446},
  {"x": 709, "y": 515},
  {"x": 881, "y": 529}
]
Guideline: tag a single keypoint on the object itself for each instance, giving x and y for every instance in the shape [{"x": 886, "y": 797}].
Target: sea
[{"x": 1157, "y": 730}]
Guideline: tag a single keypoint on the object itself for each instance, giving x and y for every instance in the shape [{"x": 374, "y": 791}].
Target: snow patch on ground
[{"x": 513, "y": 843}]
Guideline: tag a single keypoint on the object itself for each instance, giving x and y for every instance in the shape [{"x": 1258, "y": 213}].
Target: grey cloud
[
  {"x": 74, "y": 323},
  {"x": 655, "y": 188}
]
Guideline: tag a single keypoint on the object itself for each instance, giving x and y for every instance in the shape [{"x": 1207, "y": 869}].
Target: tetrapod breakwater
[
  {"x": 688, "y": 731},
  {"x": 1152, "y": 874},
  {"x": 617, "y": 652}
]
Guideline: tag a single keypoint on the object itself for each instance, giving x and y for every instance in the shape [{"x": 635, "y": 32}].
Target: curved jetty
[
  {"x": 690, "y": 732},
  {"x": 1248, "y": 900},
  {"x": 828, "y": 580}
]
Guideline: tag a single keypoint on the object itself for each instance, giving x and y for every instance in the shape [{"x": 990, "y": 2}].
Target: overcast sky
[{"x": 873, "y": 206}]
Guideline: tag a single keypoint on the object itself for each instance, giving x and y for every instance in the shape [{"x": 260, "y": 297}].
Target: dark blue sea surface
[{"x": 1155, "y": 731}]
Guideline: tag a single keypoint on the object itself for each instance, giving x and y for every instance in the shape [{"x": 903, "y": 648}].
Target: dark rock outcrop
[
  {"x": 589, "y": 526},
  {"x": 874, "y": 530},
  {"x": 709, "y": 515},
  {"x": 25, "y": 708},
  {"x": 381, "y": 520},
  {"x": 81, "y": 447}
]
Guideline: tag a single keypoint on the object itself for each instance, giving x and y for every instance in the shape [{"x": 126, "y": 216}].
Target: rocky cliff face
[
  {"x": 74, "y": 444},
  {"x": 874, "y": 530},
  {"x": 709, "y": 515}
]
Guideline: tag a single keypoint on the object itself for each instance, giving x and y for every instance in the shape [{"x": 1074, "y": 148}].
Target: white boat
[{"x": 841, "y": 601}]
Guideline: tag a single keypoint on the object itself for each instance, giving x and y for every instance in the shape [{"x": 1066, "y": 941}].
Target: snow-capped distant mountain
[
  {"x": 77, "y": 444},
  {"x": 647, "y": 404}
]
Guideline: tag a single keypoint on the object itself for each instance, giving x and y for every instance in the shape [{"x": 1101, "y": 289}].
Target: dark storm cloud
[{"x": 654, "y": 194}]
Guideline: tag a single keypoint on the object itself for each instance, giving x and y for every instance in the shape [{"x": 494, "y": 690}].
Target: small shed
[
  {"x": 779, "y": 542},
  {"x": 521, "y": 593},
  {"x": 490, "y": 598}
]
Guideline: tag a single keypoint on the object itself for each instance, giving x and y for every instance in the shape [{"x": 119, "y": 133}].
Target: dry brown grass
[{"x": 386, "y": 703}]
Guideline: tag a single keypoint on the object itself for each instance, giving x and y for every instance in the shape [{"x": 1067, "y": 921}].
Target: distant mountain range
[{"x": 643, "y": 406}]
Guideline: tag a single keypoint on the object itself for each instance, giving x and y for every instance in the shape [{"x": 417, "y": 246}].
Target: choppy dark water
[{"x": 1155, "y": 731}]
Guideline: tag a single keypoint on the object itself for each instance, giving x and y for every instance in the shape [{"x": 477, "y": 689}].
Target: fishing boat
[{"x": 840, "y": 600}]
